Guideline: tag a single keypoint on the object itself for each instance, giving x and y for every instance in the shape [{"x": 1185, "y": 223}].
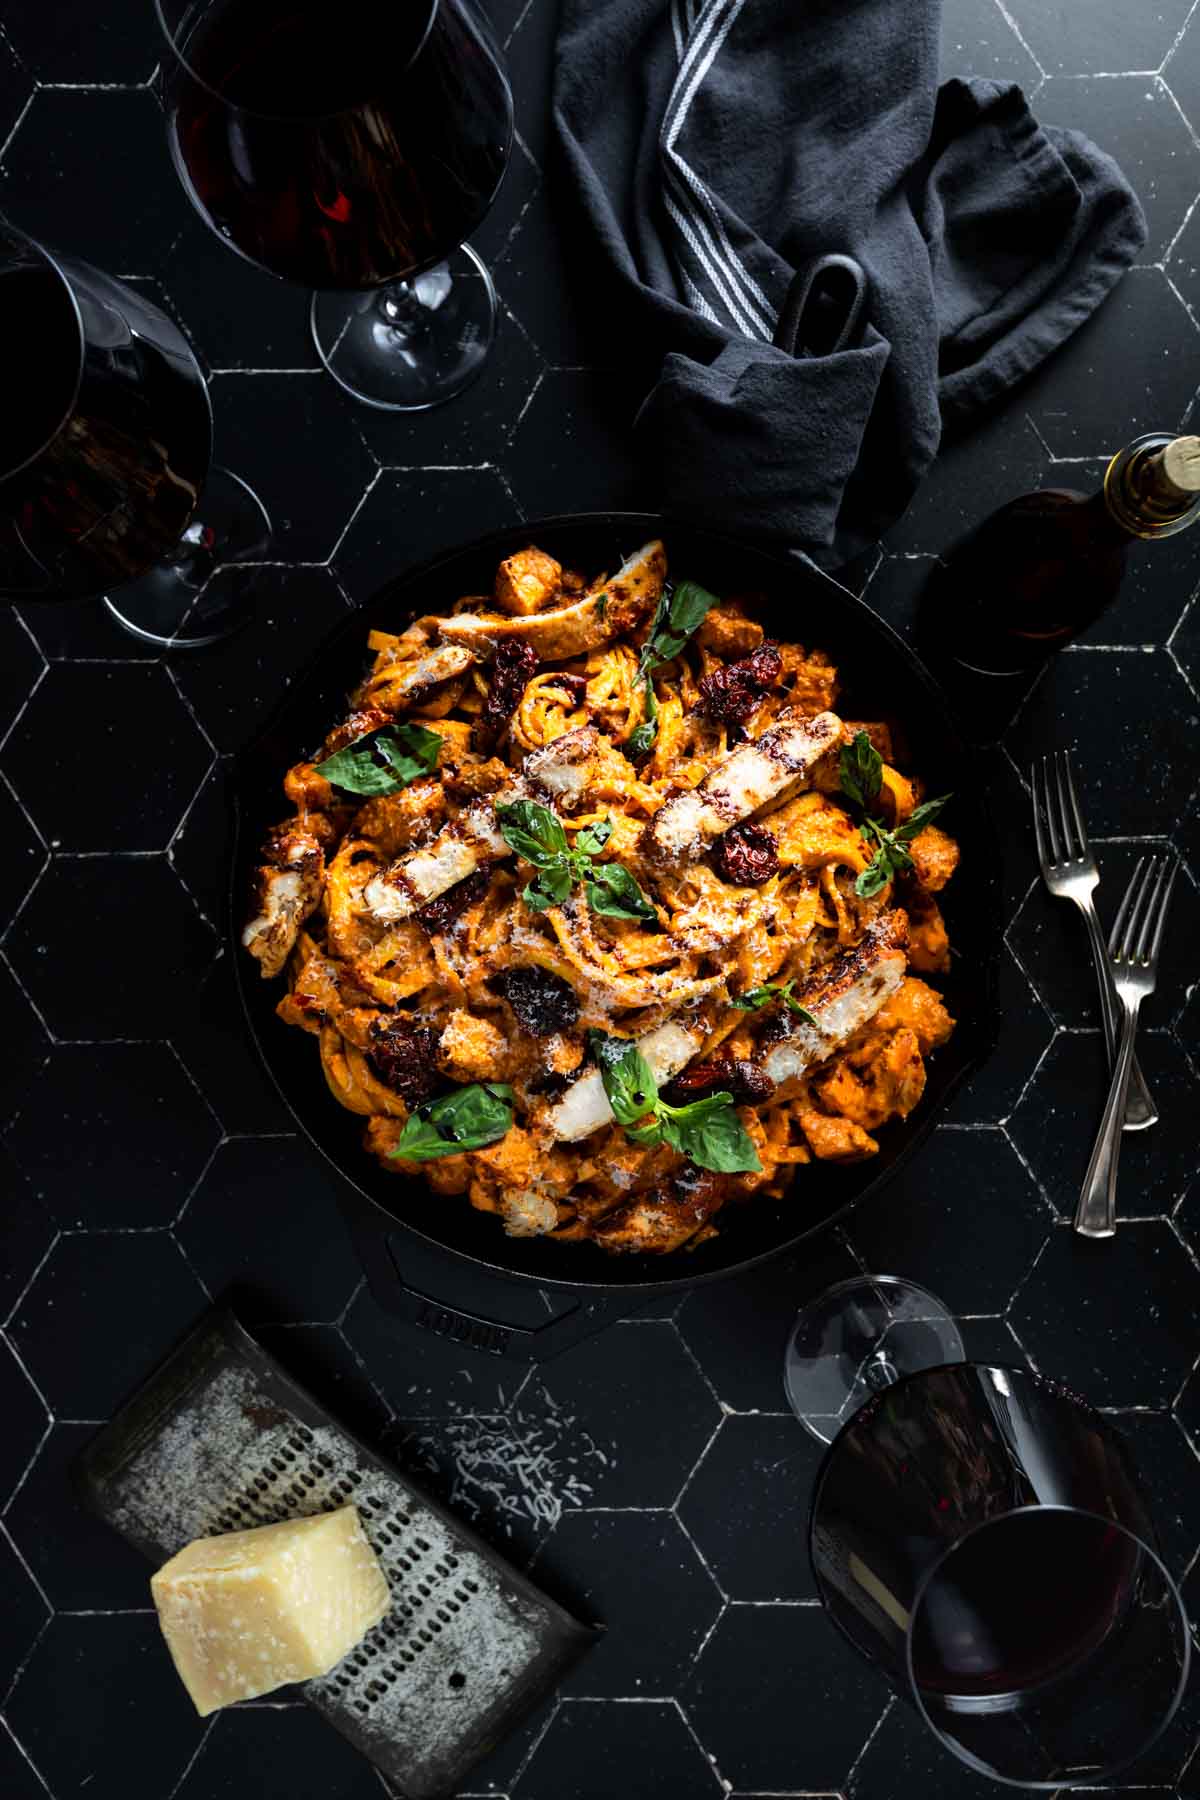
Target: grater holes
[{"x": 457, "y": 1680}]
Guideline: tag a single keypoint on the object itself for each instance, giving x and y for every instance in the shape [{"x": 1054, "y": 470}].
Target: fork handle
[
  {"x": 1140, "y": 1110},
  {"x": 1096, "y": 1213}
]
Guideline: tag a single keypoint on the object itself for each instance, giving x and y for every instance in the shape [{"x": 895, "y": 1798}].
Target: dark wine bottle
[{"x": 1045, "y": 565}]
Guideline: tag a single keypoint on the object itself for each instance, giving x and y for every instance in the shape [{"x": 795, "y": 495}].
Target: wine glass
[
  {"x": 352, "y": 147},
  {"x": 105, "y": 453},
  {"x": 979, "y": 1534}
]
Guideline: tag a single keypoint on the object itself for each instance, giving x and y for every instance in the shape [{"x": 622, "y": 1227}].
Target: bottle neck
[{"x": 1139, "y": 494}]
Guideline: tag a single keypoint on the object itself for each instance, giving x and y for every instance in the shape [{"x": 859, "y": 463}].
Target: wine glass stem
[{"x": 879, "y": 1372}]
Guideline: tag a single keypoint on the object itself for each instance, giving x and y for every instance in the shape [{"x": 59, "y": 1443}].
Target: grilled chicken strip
[
  {"x": 559, "y": 772},
  {"x": 842, "y": 997},
  {"x": 745, "y": 779},
  {"x": 584, "y": 1107},
  {"x": 615, "y": 609},
  {"x": 412, "y": 681},
  {"x": 287, "y": 890}
]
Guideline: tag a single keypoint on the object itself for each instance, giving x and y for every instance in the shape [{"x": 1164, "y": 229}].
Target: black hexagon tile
[
  {"x": 241, "y": 317},
  {"x": 643, "y": 1403},
  {"x": 1112, "y": 1318},
  {"x": 411, "y": 515},
  {"x": 1185, "y": 644},
  {"x": 522, "y": 179},
  {"x": 124, "y": 1692},
  {"x": 583, "y": 1757},
  {"x": 81, "y": 1564},
  {"x": 1023, "y": 1038},
  {"x": 1059, "y": 1114},
  {"x": 477, "y": 428},
  {"x": 263, "y": 1217},
  {"x": 213, "y": 1040},
  {"x": 16, "y": 89},
  {"x": 1142, "y": 329},
  {"x": 78, "y": 42},
  {"x": 21, "y": 663},
  {"x": 737, "y": 1330},
  {"x": 140, "y": 724},
  {"x": 1181, "y": 72},
  {"x": 1084, "y": 41},
  {"x": 261, "y": 1748},
  {"x": 25, "y": 1041},
  {"x": 976, "y": 472},
  {"x": 780, "y": 1699},
  {"x": 26, "y": 1232},
  {"x": 545, "y": 273},
  {"x": 638, "y": 1577},
  {"x": 140, "y": 1134},
  {"x": 1130, "y": 721},
  {"x": 285, "y": 437},
  {"x": 25, "y": 852},
  {"x": 83, "y": 630},
  {"x": 1050, "y": 940},
  {"x": 25, "y": 1613},
  {"x": 580, "y": 421},
  {"x": 904, "y": 1756},
  {"x": 1167, "y": 1462},
  {"x": 1159, "y": 578},
  {"x": 18, "y": 1778},
  {"x": 321, "y": 1359},
  {"x": 54, "y": 181},
  {"x": 155, "y": 946},
  {"x": 199, "y": 851},
  {"x": 63, "y": 1326},
  {"x": 1135, "y": 119},
  {"x": 977, "y": 39},
  {"x": 967, "y": 1213},
  {"x": 25, "y": 1420},
  {"x": 233, "y": 687},
  {"x": 747, "y": 1503}
]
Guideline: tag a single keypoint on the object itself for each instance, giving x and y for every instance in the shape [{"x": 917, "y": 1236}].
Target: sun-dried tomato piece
[
  {"x": 543, "y": 1002},
  {"x": 744, "y": 1080},
  {"x": 440, "y": 914},
  {"x": 747, "y": 856},
  {"x": 732, "y": 693},
  {"x": 403, "y": 1056},
  {"x": 513, "y": 667},
  {"x": 575, "y": 685}
]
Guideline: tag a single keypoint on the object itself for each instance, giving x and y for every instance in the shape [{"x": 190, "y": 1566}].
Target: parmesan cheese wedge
[{"x": 244, "y": 1613}]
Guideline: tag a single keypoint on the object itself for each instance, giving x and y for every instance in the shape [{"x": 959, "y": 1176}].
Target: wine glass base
[
  {"x": 204, "y": 593},
  {"x": 414, "y": 344},
  {"x": 859, "y": 1338}
]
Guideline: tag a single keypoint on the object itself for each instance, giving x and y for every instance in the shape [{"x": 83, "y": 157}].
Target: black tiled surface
[{"x": 651, "y": 1477}]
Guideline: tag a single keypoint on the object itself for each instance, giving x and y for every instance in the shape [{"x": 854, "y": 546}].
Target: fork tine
[
  {"x": 1116, "y": 935},
  {"x": 1150, "y": 910},
  {"x": 1146, "y": 909},
  {"x": 1164, "y": 903},
  {"x": 1035, "y": 792},
  {"x": 1076, "y": 813},
  {"x": 1064, "y": 817},
  {"x": 1056, "y": 852}
]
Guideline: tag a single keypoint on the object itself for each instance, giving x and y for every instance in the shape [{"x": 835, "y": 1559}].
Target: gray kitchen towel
[{"x": 718, "y": 147}]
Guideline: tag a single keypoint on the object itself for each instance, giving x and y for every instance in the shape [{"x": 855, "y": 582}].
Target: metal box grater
[{"x": 221, "y": 1438}]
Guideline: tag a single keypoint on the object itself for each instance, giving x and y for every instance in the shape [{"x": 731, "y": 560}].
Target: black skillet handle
[{"x": 410, "y": 1282}]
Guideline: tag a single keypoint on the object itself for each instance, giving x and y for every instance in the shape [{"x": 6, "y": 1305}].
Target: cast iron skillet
[{"x": 396, "y": 1221}]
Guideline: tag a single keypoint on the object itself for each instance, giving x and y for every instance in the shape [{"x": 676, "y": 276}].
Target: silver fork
[
  {"x": 1133, "y": 948},
  {"x": 1070, "y": 873}
]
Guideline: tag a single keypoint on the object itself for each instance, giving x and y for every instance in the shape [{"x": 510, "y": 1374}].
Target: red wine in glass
[
  {"x": 105, "y": 480},
  {"x": 351, "y": 147}
]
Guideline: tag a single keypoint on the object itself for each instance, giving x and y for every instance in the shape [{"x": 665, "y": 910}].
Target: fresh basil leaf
[
  {"x": 717, "y": 1139},
  {"x": 383, "y": 761},
  {"x": 533, "y": 831},
  {"x": 628, "y": 1081},
  {"x": 550, "y": 887},
  {"x": 919, "y": 818},
  {"x": 612, "y": 892},
  {"x": 875, "y": 877},
  {"x": 860, "y": 768},
  {"x": 801, "y": 1012},
  {"x": 467, "y": 1119},
  {"x": 592, "y": 839},
  {"x": 641, "y": 739},
  {"x": 685, "y": 613}
]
